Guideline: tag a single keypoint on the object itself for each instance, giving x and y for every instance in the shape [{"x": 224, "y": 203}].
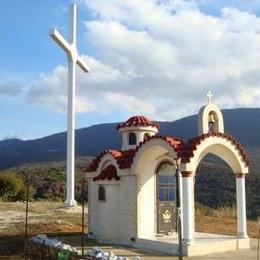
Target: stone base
[
  {"x": 70, "y": 203},
  {"x": 202, "y": 244}
]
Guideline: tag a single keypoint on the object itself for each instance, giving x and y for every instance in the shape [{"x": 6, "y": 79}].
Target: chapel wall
[
  {"x": 108, "y": 214},
  {"x": 127, "y": 224},
  {"x": 146, "y": 198},
  {"x": 93, "y": 208}
]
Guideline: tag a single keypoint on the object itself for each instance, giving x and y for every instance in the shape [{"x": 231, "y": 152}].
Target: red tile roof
[
  {"x": 137, "y": 121},
  {"x": 192, "y": 145},
  {"x": 125, "y": 159},
  {"x": 186, "y": 151},
  {"x": 107, "y": 174}
]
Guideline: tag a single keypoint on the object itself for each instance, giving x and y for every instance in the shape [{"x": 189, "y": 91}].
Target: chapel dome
[
  {"x": 136, "y": 130},
  {"x": 137, "y": 121}
]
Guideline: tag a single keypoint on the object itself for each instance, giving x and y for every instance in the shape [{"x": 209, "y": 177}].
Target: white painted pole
[
  {"x": 187, "y": 205},
  {"x": 73, "y": 23},
  {"x": 181, "y": 200},
  {"x": 241, "y": 206},
  {"x": 70, "y": 200}
]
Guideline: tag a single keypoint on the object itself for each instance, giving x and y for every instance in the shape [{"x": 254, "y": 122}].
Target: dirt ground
[
  {"x": 43, "y": 217},
  {"x": 65, "y": 223}
]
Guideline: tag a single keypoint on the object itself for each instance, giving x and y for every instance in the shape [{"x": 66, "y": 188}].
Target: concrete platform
[{"x": 202, "y": 244}]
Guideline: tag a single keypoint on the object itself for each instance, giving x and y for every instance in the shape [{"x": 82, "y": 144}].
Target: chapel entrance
[{"x": 166, "y": 198}]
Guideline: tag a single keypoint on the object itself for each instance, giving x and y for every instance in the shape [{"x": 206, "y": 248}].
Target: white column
[
  {"x": 70, "y": 200},
  {"x": 181, "y": 196},
  {"x": 241, "y": 206},
  {"x": 187, "y": 204}
]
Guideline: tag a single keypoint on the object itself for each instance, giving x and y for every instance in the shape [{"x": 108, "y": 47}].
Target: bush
[{"x": 12, "y": 188}]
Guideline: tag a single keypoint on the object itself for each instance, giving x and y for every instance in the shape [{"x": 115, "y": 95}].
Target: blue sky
[{"x": 156, "y": 58}]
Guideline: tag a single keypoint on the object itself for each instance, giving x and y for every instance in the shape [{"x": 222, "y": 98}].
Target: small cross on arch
[{"x": 210, "y": 96}]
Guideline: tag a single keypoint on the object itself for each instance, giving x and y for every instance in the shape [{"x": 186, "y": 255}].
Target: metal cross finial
[{"x": 210, "y": 96}]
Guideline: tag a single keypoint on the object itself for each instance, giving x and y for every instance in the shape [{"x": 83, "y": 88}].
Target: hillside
[
  {"x": 214, "y": 185},
  {"x": 244, "y": 124}
]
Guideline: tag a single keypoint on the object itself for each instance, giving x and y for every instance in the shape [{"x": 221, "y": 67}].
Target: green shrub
[{"x": 12, "y": 188}]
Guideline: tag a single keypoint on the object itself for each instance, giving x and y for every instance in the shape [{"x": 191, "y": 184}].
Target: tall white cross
[
  {"x": 210, "y": 96},
  {"x": 73, "y": 59}
]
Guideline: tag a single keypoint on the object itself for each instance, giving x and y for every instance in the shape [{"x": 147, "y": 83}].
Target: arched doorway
[
  {"x": 215, "y": 197},
  {"x": 166, "y": 197}
]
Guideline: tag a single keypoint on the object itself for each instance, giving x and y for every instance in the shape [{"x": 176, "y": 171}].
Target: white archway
[{"x": 228, "y": 149}]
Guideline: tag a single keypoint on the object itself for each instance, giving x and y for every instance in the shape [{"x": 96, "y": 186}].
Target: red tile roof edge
[
  {"x": 193, "y": 143},
  {"x": 125, "y": 159},
  {"x": 186, "y": 151},
  {"x": 108, "y": 173}
]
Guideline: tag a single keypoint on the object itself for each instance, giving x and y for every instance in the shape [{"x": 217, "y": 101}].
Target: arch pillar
[
  {"x": 187, "y": 206},
  {"x": 241, "y": 205}
]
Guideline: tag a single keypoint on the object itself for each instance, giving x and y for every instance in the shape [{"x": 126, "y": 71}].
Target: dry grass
[
  {"x": 221, "y": 221},
  {"x": 43, "y": 217},
  {"x": 54, "y": 218},
  {"x": 220, "y": 212}
]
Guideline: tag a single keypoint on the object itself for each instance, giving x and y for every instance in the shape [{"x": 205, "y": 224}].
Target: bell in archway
[{"x": 212, "y": 118}]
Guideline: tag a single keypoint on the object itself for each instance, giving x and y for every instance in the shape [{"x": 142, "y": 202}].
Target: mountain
[{"x": 242, "y": 123}]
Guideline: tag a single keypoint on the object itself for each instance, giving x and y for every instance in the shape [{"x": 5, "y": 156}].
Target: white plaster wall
[
  {"x": 139, "y": 131},
  {"x": 104, "y": 216},
  {"x": 127, "y": 202},
  {"x": 93, "y": 207},
  {"x": 108, "y": 214},
  {"x": 147, "y": 200}
]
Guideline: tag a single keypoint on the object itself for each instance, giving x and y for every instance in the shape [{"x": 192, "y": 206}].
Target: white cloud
[{"x": 159, "y": 58}]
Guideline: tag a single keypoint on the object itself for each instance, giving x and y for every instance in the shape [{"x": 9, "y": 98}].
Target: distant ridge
[{"x": 242, "y": 123}]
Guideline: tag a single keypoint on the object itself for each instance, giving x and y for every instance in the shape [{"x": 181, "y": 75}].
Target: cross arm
[
  {"x": 57, "y": 37},
  {"x": 82, "y": 64}
]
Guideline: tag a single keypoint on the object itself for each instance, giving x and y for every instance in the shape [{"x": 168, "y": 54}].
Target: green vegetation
[
  {"x": 215, "y": 186},
  {"x": 12, "y": 188},
  {"x": 46, "y": 181}
]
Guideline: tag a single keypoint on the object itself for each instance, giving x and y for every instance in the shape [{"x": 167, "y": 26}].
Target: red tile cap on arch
[
  {"x": 137, "y": 121},
  {"x": 188, "y": 152},
  {"x": 108, "y": 173}
]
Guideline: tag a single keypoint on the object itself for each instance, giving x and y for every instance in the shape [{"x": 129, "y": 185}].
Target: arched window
[
  {"x": 132, "y": 139},
  {"x": 146, "y": 136},
  {"x": 166, "y": 182},
  {"x": 101, "y": 193}
]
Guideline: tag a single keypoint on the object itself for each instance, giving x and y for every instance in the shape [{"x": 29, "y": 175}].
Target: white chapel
[{"x": 132, "y": 191}]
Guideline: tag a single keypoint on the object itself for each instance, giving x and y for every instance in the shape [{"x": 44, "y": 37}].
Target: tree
[{"x": 12, "y": 188}]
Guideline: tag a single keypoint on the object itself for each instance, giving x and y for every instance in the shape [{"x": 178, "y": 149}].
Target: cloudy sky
[{"x": 152, "y": 57}]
